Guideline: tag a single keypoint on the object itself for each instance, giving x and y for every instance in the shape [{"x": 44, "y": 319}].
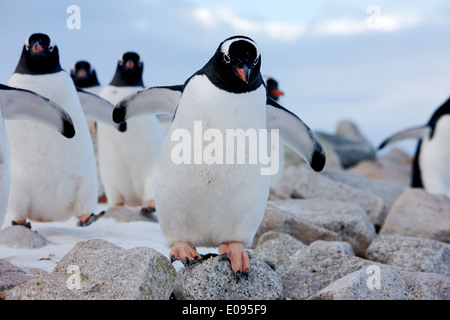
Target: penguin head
[
  {"x": 40, "y": 55},
  {"x": 237, "y": 63},
  {"x": 272, "y": 89},
  {"x": 83, "y": 75},
  {"x": 129, "y": 70}
]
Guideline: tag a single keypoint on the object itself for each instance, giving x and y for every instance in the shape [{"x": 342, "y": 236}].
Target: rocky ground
[{"x": 351, "y": 232}]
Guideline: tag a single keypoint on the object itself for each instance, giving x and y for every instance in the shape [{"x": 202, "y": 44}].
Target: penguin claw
[
  {"x": 92, "y": 217},
  {"x": 26, "y": 224},
  {"x": 184, "y": 252}
]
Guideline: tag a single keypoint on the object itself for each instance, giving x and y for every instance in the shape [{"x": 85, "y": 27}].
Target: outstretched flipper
[
  {"x": 154, "y": 100},
  {"x": 296, "y": 134},
  {"x": 412, "y": 133},
  {"x": 25, "y": 104},
  {"x": 98, "y": 109}
]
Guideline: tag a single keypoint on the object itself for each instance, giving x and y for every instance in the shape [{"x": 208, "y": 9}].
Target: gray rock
[
  {"x": 309, "y": 270},
  {"x": 127, "y": 214},
  {"x": 416, "y": 254},
  {"x": 392, "y": 284},
  {"x": 277, "y": 252},
  {"x": 349, "y": 151},
  {"x": 395, "y": 166},
  {"x": 21, "y": 237},
  {"x": 278, "y": 220},
  {"x": 347, "y": 220},
  {"x": 419, "y": 214},
  {"x": 303, "y": 183},
  {"x": 305, "y": 270},
  {"x": 214, "y": 280},
  {"x": 348, "y": 129},
  {"x": 388, "y": 191},
  {"x": 359, "y": 285},
  {"x": 99, "y": 270},
  {"x": 340, "y": 247},
  {"x": 11, "y": 275}
]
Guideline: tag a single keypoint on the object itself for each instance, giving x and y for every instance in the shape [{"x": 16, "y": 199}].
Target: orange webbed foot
[
  {"x": 184, "y": 252},
  {"x": 238, "y": 256}
]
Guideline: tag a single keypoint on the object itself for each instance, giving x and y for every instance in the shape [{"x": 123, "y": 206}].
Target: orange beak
[
  {"x": 277, "y": 92},
  {"x": 37, "y": 48},
  {"x": 82, "y": 73},
  {"x": 244, "y": 73},
  {"x": 129, "y": 64}
]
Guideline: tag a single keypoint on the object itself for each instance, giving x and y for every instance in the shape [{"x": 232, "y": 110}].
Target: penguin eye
[
  {"x": 256, "y": 61},
  {"x": 50, "y": 48},
  {"x": 226, "y": 58},
  {"x": 27, "y": 47}
]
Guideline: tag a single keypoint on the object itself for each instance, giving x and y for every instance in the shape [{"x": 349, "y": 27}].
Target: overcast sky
[{"x": 383, "y": 64}]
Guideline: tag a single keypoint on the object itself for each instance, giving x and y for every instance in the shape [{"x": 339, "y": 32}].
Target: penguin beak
[
  {"x": 82, "y": 73},
  {"x": 129, "y": 64},
  {"x": 244, "y": 73},
  {"x": 37, "y": 47},
  {"x": 277, "y": 92}
]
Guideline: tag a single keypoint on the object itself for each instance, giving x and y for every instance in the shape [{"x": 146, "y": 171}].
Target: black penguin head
[
  {"x": 272, "y": 89},
  {"x": 83, "y": 75},
  {"x": 129, "y": 71},
  {"x": 236, "y": 65},
  {"x": 39, "y": 56}
]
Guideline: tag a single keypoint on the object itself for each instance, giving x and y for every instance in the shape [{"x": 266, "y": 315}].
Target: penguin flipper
[
  {"x": 25, "y": 104},
  {"x": 154, "y": 100},
  {"x": 296, "y": 134},
  {"x": 412, "y": 133},
  {"x": 98, "y": 109}
]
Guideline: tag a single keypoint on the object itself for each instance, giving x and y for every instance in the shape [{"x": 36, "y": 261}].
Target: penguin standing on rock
[
  {"x": 127, "y": 160},
  {"x": 52, "y": 178},
  {"x": 24, "y": 104},
  {"x": 209, "y": 203},
  {"x": 431, "y": 167}
]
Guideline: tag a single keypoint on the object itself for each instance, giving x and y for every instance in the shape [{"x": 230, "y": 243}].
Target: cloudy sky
[{"x": 384, "y": 64}]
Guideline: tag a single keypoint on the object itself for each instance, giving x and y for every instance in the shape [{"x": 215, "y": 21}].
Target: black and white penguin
[
  {"x": 431, "y": 169},
  {"x": 127, "y": 160},
  {"x": 52, "y": 178},
  {"x": 275, "y": 93},
  {"x": 24, "y": 104},
  {"x": 209, "y": 203},
  {"x": 84, "y": 76}
]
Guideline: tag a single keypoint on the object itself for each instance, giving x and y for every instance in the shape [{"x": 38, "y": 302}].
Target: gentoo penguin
[
  {"x": 431, "y": 169},
  {"x": 275, "y": 93},
  {"x": 24, "y": 104},
  {"x": 85, "y": 77},
  {"x": 52, "y": 178},
  {"x": 127, "y": 160},
  {"x": 206, "y": 203}
]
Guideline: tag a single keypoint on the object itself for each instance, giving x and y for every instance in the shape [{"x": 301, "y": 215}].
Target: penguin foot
[
  {"x": 184, "y": 252},
  {"x": 149, "y": 209},
  {"x": 22, "y": 223},
  {"x": 87, "y": 219},
  {"x": 238, "y": 256}
]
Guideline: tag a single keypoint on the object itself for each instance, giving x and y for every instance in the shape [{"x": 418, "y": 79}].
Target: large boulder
[
  {"x": 320, "y": 220},
  {"x": 213, "y": 279},
  {"x": 417, "y": 213},
  {"x": 303, "y": 183},
  {"x": 416, "y": 254},
  {"x": 100, "y": 270}
]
